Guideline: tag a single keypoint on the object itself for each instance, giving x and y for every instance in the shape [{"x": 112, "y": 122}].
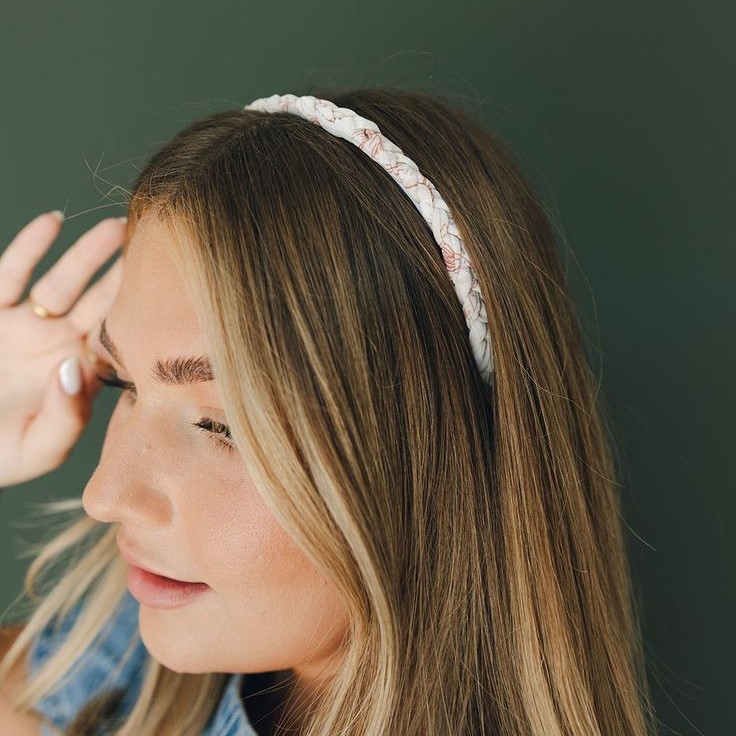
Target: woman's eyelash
[
  {"x": 116, "y": 382},
  {"x": 216, "y": 430}
]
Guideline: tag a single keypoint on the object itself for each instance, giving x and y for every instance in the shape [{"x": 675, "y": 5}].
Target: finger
[
  {"x": 61, "y": 419},
  {"x": 25, "y": 250},
  {"x": 62, "y": 284},
  {"x": 96, "y": 301}
]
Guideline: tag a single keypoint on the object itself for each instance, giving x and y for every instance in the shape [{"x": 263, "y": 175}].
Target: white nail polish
[{"x": 70, "y": 376}]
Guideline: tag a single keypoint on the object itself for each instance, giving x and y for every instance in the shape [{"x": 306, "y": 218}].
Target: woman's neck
[{"x": 264, "y": 695}]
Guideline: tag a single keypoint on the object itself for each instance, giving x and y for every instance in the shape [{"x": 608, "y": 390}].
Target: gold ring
[{"x": 41, "y": 311}]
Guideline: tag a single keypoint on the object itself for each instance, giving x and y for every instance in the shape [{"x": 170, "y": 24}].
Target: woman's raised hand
[{"x": 39, "y": 422}]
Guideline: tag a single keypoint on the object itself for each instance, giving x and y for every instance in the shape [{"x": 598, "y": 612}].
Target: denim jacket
[{"x": 103, "y": 667}]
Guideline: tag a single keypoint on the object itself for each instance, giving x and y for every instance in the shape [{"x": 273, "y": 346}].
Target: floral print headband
[{"x": 347, "y": 124}]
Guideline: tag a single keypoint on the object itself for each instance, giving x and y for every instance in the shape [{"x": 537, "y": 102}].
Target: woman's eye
[
  {"x": 114, "y": 381},
  {"x": 219, "y": 432}
]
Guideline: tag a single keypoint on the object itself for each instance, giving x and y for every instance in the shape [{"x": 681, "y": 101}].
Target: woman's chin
[{"x": 165, "y": 643}]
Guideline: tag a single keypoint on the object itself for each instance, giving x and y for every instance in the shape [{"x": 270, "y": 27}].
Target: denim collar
[
  {"x": 230, "y": 718},
  {"x": 105, "y": 665}
]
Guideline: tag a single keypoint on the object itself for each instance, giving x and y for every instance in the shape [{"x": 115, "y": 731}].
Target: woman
[{"x": 377, "y": 509}]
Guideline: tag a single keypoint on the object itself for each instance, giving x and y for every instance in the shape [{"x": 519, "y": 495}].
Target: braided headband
[{"x": 347, "y": 124}]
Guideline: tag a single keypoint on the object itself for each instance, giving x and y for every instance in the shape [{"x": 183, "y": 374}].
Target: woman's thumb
[{"x": 63, "y": 415}]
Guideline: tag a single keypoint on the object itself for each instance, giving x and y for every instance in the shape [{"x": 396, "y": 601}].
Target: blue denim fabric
[{"x": 102, "y": 667}]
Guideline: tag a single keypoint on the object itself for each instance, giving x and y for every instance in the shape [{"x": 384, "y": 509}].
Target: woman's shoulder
[
  {"x": 11, "y": 721},
  {"x": 114, "y": 661}
]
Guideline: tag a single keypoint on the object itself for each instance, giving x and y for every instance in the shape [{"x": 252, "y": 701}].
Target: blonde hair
[{"x": 475, "y": 533}]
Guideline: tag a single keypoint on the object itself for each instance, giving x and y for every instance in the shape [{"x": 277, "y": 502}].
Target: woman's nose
[{"x": 129, "y": 481}]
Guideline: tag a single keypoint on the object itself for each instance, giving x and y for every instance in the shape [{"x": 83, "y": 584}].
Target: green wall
[{"x": 621, "y": 113}]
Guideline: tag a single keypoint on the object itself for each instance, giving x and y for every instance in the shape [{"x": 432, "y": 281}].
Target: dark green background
[{"x": 622, "y": 114}]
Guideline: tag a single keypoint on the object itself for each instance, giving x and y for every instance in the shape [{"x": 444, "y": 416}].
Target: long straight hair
[{"x": 475, "y": 533}]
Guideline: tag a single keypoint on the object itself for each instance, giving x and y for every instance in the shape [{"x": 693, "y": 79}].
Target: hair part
[{"x": 474, "y": 532}]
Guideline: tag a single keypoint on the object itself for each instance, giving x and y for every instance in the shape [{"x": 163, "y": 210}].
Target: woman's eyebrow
[{"x": 178, "y": 371}]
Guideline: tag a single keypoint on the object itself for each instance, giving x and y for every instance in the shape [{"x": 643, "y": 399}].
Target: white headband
[{"x": 347, "y": 124}]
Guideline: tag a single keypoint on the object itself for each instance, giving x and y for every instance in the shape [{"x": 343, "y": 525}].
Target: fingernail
[
  {"x": 70, "y": 376},
  {"x": 123, "y": 219},
  {"x": 58, "y": 214}
]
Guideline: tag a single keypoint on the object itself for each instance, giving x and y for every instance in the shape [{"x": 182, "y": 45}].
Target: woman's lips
[
  {"x": 154, "y": 589},
  {"x": 162, "y": 592}
]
